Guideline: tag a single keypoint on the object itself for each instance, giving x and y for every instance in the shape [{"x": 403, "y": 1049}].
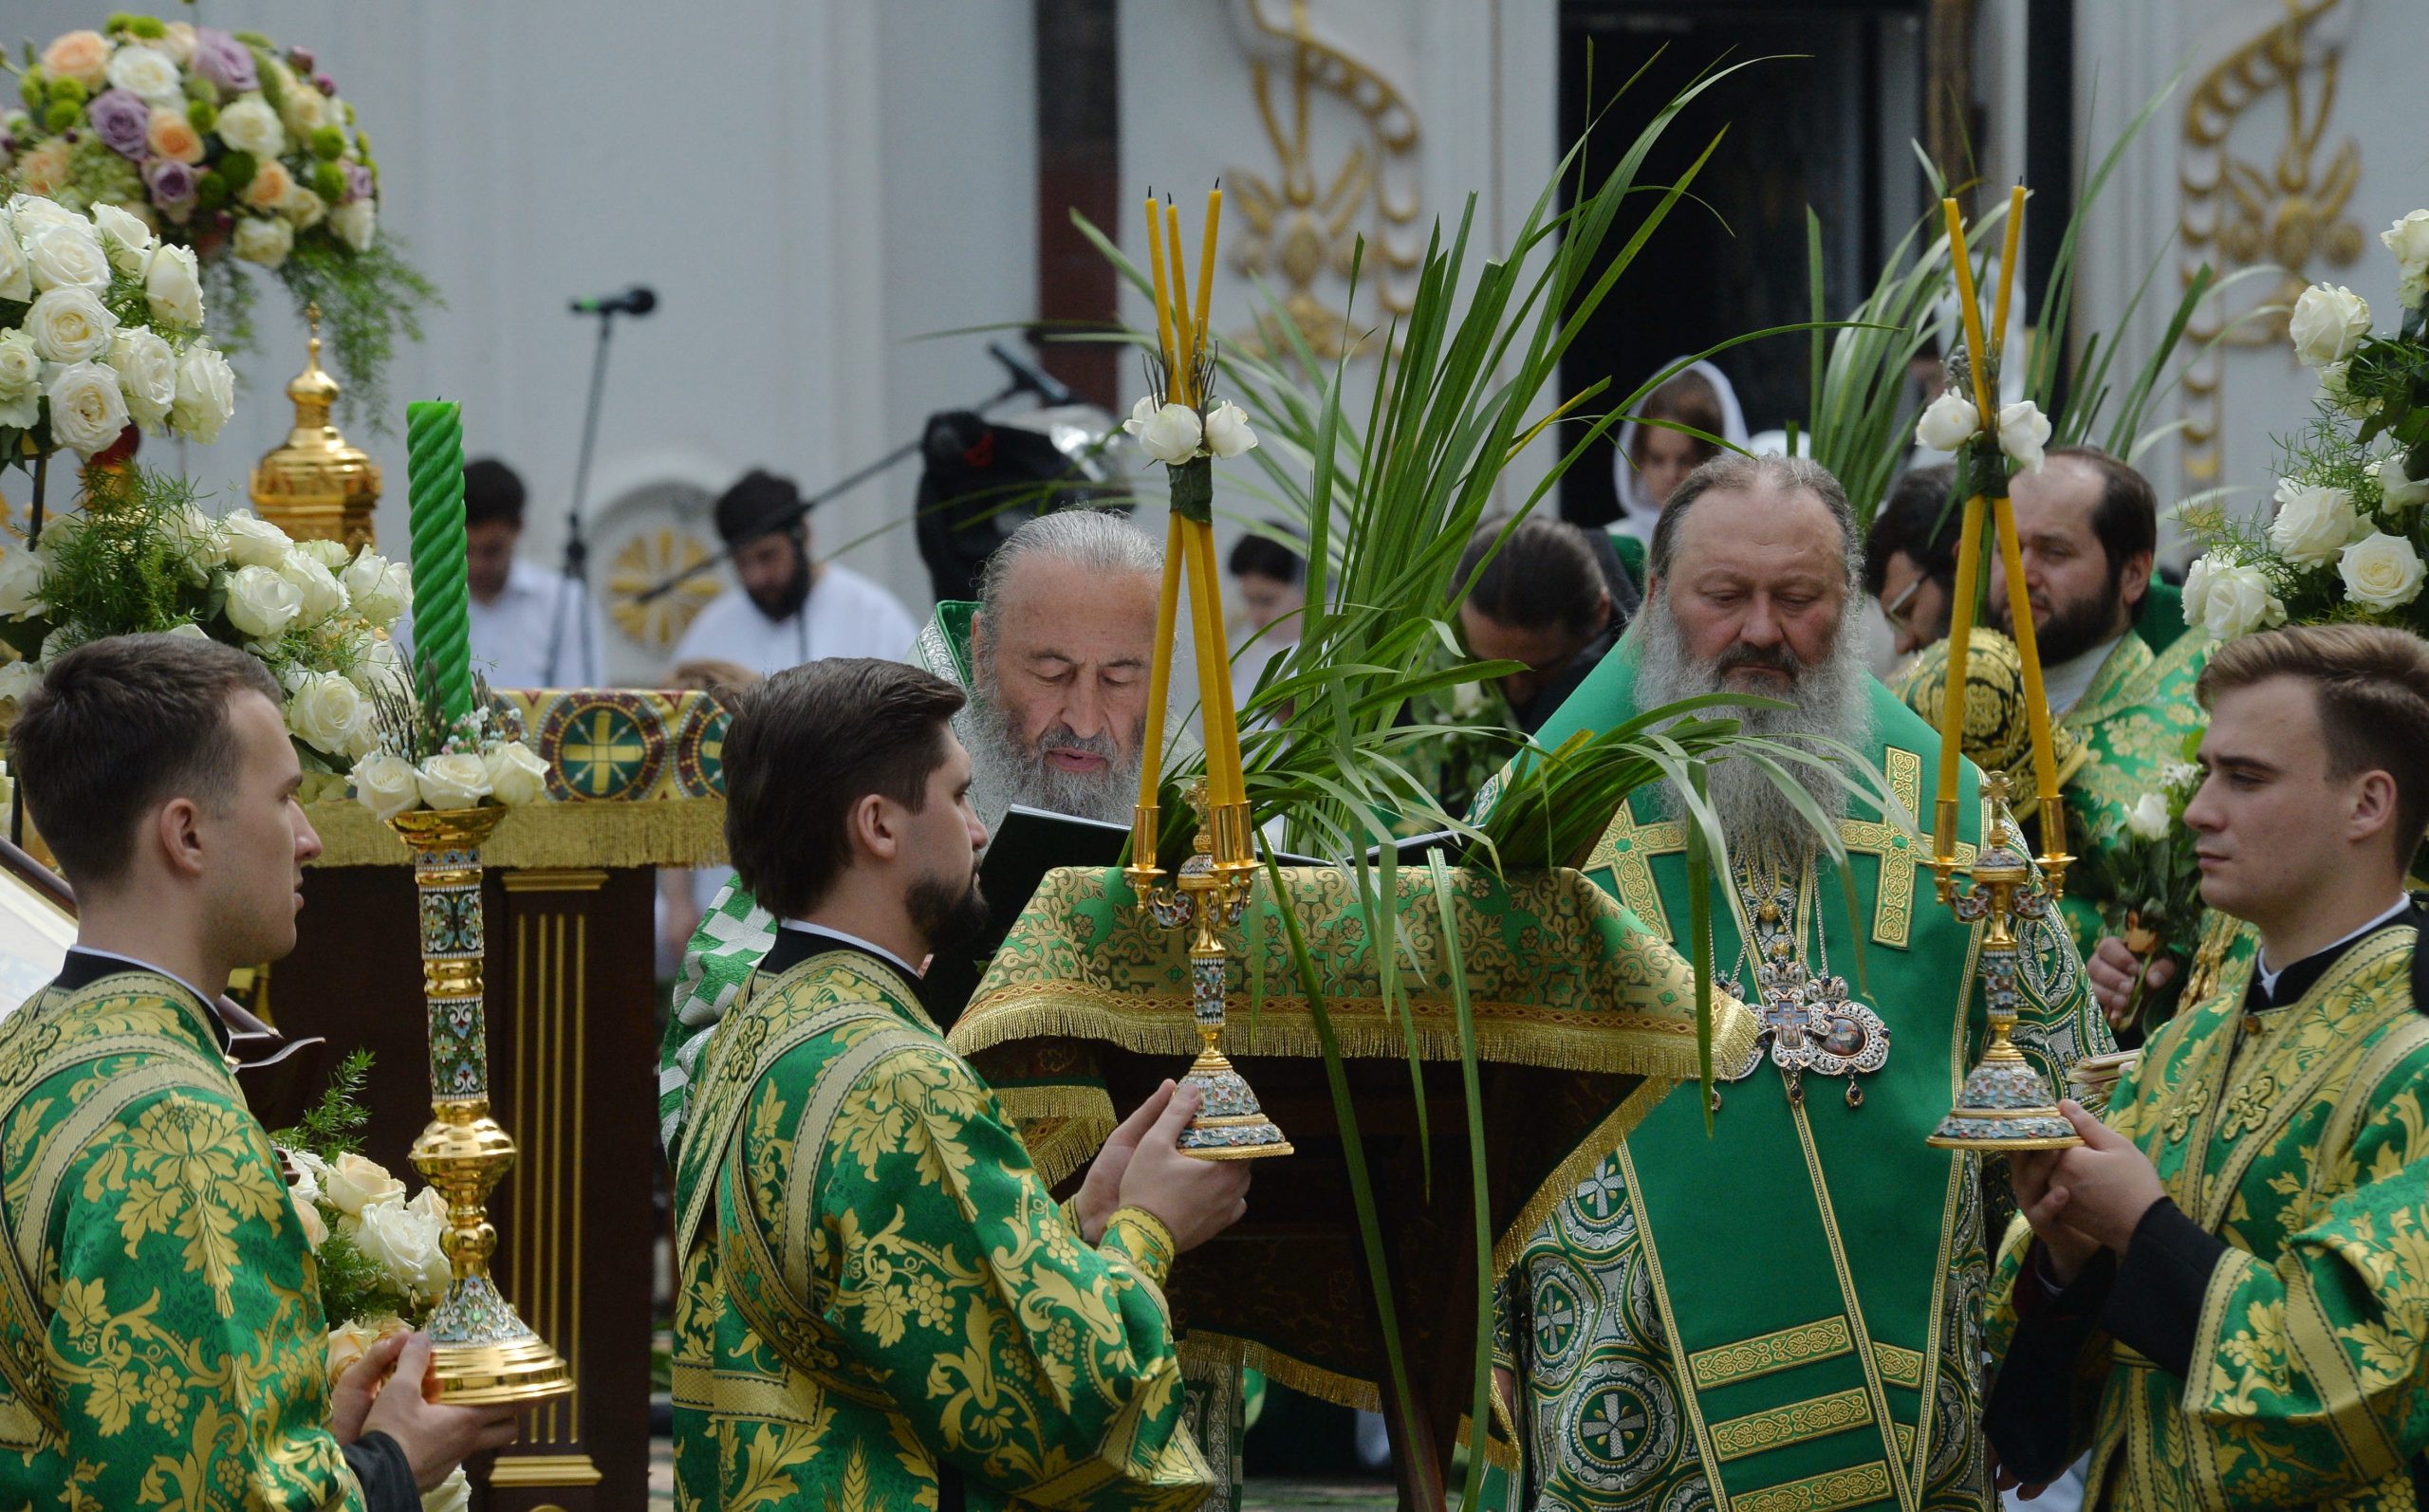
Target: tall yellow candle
[
  {"x": 2007, "y": 269},
  {"x": 2037, "y": 706},
  {"x": 1971, "y": 307},
  {"x": 1184, "y": 348},
  {"x": 1156, "y": 269},
  {"x": 1159, "y": 669},
  {"x": 1206, "y": 262},
  {"x": 1960, "y": 643},
  {"x": 1237, "y": 777},
  {"x": 1207, "y": 625}
]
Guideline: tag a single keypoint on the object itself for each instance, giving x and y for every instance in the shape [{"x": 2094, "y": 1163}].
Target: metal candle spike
[
  {"x": 483, "y": 1350},
  {"x": 1210, "y": 894},
  {"x": 2005, "y": 1104}
]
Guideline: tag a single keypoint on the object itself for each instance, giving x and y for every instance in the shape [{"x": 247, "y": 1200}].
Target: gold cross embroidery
[
  {"x": 601, "y": 751},
  {"x": 1628, "y": 849}
]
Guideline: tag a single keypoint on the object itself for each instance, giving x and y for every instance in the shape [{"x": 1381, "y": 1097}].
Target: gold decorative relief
[
  {"x": 650, "y": 557},
  {"x": 1304, "y": 221},
  {"x": 2240, "y": 209}
]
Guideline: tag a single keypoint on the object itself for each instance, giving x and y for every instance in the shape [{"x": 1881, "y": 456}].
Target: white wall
[{"x": 807, "y": 187}]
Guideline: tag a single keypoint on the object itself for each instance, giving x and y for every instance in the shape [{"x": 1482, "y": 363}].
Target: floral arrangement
[
  {"x": 140, "y": 557},
  {"x": 1173, "y": 433},
  {"x": 1953, "y": 423},
  {"x": 100, "y": 325},
  {"x": 2346, "y": 539},
  {"x": 2153, "y": 883},
  {"x": 220, "y": 144},
  {"x": 421, "y": 759}
]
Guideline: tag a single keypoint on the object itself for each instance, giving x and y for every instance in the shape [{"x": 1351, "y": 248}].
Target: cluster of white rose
[
  {"x": 2156, "y": 813},
  {"x": 502, "y": 771},
  {"x": 2323, "y": 538},
  {"x": 358, "y": 1196},
  {"x": 111, "y": 332},
  {"x": 1953, "y": 421},
  {"x": 1172, "y": 434}
]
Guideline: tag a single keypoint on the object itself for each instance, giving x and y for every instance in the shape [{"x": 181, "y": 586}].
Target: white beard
[
  {"x": 1005, "y": 770},
  {"x": 1830, "y": 701}
]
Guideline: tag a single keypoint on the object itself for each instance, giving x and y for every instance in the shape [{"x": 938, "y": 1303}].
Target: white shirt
[
  {"x": 2268, "y": 974},
  {"x": 2066, "y": 683},
  {"x": 511, "y": 634},
  {"x": 804, "y": 927},
  {"x": 847, "y": 614}
]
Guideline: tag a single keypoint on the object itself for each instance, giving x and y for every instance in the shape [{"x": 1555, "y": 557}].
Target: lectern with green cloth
[{"x": 1578, "y": 1017}]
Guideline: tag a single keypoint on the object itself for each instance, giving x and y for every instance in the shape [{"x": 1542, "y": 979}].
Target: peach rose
[
  {"x": 43, "y": 169},
  {"x": 271, "y": 184},
  {"x": 173, "y": 136},
  {"x": 83, "y": 56}
]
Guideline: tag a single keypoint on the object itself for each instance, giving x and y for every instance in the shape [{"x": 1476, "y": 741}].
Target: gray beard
[
  {"x": 1830, "y": 701},
  {"x": 1005, "y": 770}
]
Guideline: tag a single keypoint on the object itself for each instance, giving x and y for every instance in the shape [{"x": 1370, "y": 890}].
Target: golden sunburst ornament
[{"x": 642, "y": 564}]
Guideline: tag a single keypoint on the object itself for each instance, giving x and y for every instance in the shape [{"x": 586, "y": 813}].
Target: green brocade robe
[
  {"x": 875, "y": 1281},
  {"x": 2136, "y": 718},
  {"x": 1782, "y": 1315},
  {"x": 161, "y": 1343},
  {"x": 2306, "y": 1148}
]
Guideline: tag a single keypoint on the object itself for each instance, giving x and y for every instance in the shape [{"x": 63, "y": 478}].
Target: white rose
[
  {"x": 179, "y": 43},
  {"x": 20, "y": 379},
  {"x": 253, "y": 542},
  {"x": 377, "y": 665},
  {"x": 320, "y": 593},
  {"x": 303, "y": 208},
  {"x": 173, "y": 285},
  {"x": 2397, "y": 490},
  {"x": 1227, "y": 431},
  {"x": 355, "y": 1183},
  {"x": 386, "y": 785},
  {"x": 264, "y": 239},
  {"x": 356, "y": 222},
  {"x": 147, "y": 370},
  {"x": 2314, "y": 522},
  {"x": 1949, "y": 423},
  {"x": 30, "y": 210},
  {"x": 1140, "y": 414},
  {"x": 458, "y": 780},
  {"x": 188, "y": 630},
  {"x": 1173, "y": 436},
  {"x": 2409, "y": 240},
  {"x": 87, "y": 411},
  {"x": 516, "y": 776},
  {"x": 406, "y": 1244},
  {"x": 2327, "y": 323},
  {"x": 139, "y": 70},
  {"x": 70, "y": 326},
  {"x": 432, "y": 1206},
  {"x": 206, "y": 394},
  {"x": 2238, "y": 601},
  {"x": 250, "y": 125},
  {"x": 17, "y": 679},
  {"x": 304, "y": 109},
  {"x": 308, "y": 1219},
  {"x": 325, "y": 712},
  {"x": 2023, "y": 432},
  {"x": 66, "y": 255},
  {"x": 455, "y": 1494},
  {"x": 128, "y": 240},
  {"x": 16, "y": 279},
  {"x": 381, "y": 590},
  {"x": 2380, "y": 571},
  {"x": 21, "y": 575},
  {"x": 2182, "y": 777},
  {"x": 261, "y": 603},
  {"x": 2148, "y": 819},
  {"x": 312, "y": 1172},
  {"x": 59, "y": 643},
  {"x": 330, "y": 554}
]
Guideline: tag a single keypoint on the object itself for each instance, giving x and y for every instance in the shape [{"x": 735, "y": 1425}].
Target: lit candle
[
  {"x": 1206, "y": 260},
  {"x": 1184, "y": 348},
  {"x": 442, "y": 601},
  {"x": 1156, "y": 269},
  {"x": 1159, "y": 671}
]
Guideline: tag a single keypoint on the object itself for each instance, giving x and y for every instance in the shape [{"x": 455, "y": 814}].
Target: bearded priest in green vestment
[
  {"x": 2223, "y": 1293},
  {"x": 1054, "y": 657},
  {"x": 162, "y": 1341},
  {"x": 1783, "y": 1312},
  {"x": 879, "y": 1303}
]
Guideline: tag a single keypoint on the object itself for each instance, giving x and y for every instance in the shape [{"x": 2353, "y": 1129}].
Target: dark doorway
[{"x": 1829, "y": 128}]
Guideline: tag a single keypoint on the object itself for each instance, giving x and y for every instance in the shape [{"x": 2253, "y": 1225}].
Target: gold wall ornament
[
  {"x": 482, "y": 1349},
  {"x": 317, "y": 486},
  {"x": 2240, "y": 210},
  {"x": 1304, "y": 228},
  {"x": 649, "y": 558}
]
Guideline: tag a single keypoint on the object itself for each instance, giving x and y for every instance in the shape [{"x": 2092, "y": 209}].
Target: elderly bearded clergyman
[
  {"x": 1054, "y": 656},
  {"x": 1791, "y": 1303}
]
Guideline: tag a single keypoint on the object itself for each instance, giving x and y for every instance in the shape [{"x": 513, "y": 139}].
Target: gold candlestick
[
  {"x": 1210, "y": 896},
  {"x": 483, "y": 1350}
]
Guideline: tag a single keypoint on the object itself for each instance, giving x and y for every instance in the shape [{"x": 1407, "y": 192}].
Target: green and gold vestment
[
  {"x": 2136, "y": 718},
  {"x": 875, "y": 1284},
  {"x": 2305, "y": 1147},
  {"x": 1783, "y": 1316},
  {"x": 161, "y": 1343}
]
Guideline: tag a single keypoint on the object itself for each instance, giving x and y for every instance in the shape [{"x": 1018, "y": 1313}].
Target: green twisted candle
[{"x": 442, "y": 596}]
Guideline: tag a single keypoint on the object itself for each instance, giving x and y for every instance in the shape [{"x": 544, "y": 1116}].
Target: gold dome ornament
[
  {"x": 318, "y": 485},
  {"x": 1998, "y": 737}
]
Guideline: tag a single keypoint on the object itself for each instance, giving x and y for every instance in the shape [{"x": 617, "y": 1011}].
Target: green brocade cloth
[{"x": 1583, "y": 1019}]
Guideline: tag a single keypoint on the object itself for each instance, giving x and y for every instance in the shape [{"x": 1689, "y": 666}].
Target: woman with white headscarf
[{"x": 1652, "y": 458}]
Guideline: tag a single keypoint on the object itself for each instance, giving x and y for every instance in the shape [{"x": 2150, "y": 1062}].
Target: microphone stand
[{"x": 573, "y": 584}]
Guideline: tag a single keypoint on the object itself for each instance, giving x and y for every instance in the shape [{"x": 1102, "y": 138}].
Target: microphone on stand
[
  {"x": 639, "y": 300},
  {"x": 1027, "y": 376}
]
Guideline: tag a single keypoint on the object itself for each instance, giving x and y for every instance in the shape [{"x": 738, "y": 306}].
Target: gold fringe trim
[
  {"x": 1590, "y": 1152},
  {"x": 1505, "y": 1033},
  {"x": 654, "y": 832},
  {"x": 1203, "y": 1352},
  {"x": 1498, "y": 1451}
]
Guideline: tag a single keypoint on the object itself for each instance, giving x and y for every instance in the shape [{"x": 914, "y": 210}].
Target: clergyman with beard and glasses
[
  {"x": 791, "y": 607},
  {"x": 1791, "y": 1304},
  {"x": 864, "y": 1242},
  {"x": 1054, "y": 657}
]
